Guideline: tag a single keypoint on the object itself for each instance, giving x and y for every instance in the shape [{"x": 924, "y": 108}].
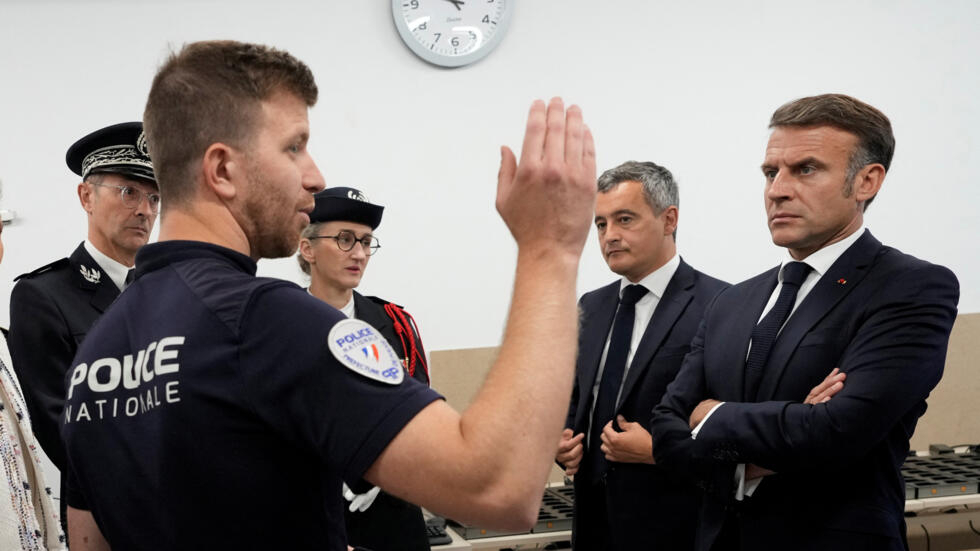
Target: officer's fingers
[
  {"x": 574, "y": 135},
  {"x": 588, "y": 154},
  {"x": 570, "y": 471},
  {"x": 534, "y": 134},
  {"x": 554, "y": 143}
]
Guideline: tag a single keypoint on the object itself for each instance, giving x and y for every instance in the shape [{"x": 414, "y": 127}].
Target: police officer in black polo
[
  {"x": 53, "y": 307},
  {"x": 213, "y": 409},
  {"x": 334, "y": 251}
]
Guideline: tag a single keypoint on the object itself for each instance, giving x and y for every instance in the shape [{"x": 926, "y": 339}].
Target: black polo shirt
[{"x": 209, "y": 408}]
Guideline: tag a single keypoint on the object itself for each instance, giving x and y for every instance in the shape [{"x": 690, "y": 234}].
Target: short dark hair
[
  {"x": 659, "y": 187},
  {"x": 876, "y": 142},
  {"x": 211, "y": 92}
]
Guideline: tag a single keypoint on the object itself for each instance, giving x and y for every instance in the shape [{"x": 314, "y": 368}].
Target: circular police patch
[{"x": 363, "y": 350}]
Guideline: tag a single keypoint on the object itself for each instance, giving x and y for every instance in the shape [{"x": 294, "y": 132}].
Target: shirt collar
[
  {"x": 154, "y": 256},
  {"x": 347, "y": 309},
  {"x": 821, "y": 261},
  {"x": 115, "y": 270},
  {"x": 657, "y": 280}
]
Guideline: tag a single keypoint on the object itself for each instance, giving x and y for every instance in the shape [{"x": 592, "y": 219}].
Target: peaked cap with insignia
[
  {"x": 348, "y": 204},
  {"x": 120, "y": 149}
]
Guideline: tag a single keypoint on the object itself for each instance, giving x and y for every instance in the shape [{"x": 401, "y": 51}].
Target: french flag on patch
[{"x": 374, "y": 349}]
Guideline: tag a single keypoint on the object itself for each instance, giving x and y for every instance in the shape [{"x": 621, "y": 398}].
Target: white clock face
[{"x": 451, "y": 32}]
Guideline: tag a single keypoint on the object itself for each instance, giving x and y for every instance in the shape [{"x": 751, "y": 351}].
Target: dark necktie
[
  {"x": 765, "y": 332},
  {"x": 130, "y": 276},
  {"x": 612, "y": 374}
]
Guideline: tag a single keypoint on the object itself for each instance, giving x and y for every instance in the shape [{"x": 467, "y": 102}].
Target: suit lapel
[
  {"x": 676, "y": 297},
  {"x": 594, "y": 332},
  {"x": 851, "y": 268},
  {"x": 91, "y": 277}
]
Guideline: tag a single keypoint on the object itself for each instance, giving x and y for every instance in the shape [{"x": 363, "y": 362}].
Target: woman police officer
[{"x": 334, "y": 251}]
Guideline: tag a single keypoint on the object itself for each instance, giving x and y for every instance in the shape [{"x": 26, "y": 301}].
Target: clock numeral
[
  {"x": 455, "y": 41},
  {"x": 438, "y": 36},
  {"x": 414, "y": 4},
  {"x": 472, "y": 35},
  {"x": 422, "y": 26},
  {"x": 486, "y": 19}
]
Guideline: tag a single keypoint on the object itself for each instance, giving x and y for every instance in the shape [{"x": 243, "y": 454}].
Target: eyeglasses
[
  {"x": 346, "y": 239},
  {"x": 133, "y": 196}
]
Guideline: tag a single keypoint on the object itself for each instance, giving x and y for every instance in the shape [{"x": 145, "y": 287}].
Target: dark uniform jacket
[
  {"x": 51, "y": 311},
  {"x": 389, "y": 523},
  {"x": 645, "y": 507}
]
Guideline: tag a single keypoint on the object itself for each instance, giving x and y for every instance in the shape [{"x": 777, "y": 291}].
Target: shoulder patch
[
  {"x": 360, "y": 348},
  {"x": 46, "y": 268}
]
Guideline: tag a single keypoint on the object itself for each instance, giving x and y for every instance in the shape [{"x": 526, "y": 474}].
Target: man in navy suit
[
  {"x": 622, "y": 500},
  {"x": 865, "y": 323}
]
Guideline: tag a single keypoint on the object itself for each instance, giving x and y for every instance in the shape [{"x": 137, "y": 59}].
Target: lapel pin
[{"x": 841, "y": 281}]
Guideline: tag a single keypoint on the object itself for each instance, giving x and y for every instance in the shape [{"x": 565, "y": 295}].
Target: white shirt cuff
[{"x": 697, "y": 429}]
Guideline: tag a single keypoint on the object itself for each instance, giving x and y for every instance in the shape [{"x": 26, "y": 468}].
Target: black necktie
[
  {"x": 765, "y": 332},
  {"x": 612, "y": 373},
  {"x": 130, "y": 276}
]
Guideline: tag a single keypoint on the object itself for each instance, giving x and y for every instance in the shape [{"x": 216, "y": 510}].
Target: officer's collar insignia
[
  {"x": 360, "y": 348},
  {"x": 92, "y": 276}
]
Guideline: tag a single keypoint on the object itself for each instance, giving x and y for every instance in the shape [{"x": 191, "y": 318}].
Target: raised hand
[{"x": 547, "y": 200}]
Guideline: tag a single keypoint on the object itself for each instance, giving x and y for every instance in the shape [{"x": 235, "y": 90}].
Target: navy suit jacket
[
  {"x": 647, "y": 508},
  {"x": 882, "y": 317}
]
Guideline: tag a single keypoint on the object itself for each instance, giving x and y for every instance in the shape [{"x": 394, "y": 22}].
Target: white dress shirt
[
  {"x": 115, "y": 270},
  {"x": 347, "y": 309},
  {"x": 819, "y": 262},
  {"x": 655, "y": 283}
]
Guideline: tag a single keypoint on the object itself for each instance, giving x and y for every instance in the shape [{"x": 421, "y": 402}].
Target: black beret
[
  {"x": 120, "y": 149},
  {"x": 348, "y": 204}
]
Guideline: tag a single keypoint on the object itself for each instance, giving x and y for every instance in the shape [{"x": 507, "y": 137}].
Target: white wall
[{"x": 689, "y": 85}]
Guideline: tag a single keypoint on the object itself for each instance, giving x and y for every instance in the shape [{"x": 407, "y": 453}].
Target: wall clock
[{"x": 452, "y": 33}]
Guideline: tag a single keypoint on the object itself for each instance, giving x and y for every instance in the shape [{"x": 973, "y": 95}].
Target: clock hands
[{"x": 457, "y": 3}]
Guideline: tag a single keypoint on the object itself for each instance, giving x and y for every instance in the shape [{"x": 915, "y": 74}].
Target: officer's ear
[
  {"x": 306, "y": 250},
  {"x": 86, "y": 196},
  {"x": 222, "y": 170}
]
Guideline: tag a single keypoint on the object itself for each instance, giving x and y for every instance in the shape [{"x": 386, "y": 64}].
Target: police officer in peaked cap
[
  {"x": 53, "y": 307},
  {"x": 334, "y": 251}
]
